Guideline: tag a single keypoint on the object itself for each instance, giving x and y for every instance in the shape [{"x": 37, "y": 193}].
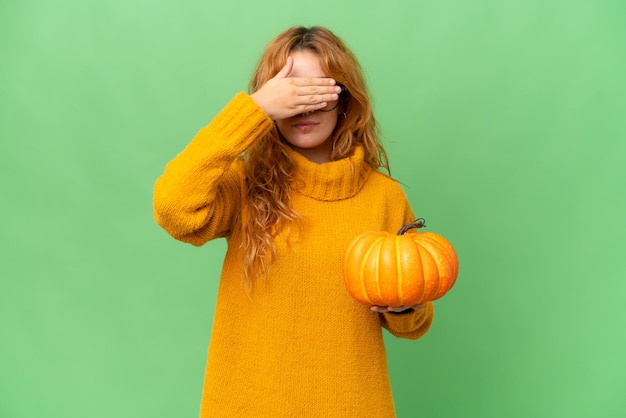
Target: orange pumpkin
[{"x": 383, "y": 269}]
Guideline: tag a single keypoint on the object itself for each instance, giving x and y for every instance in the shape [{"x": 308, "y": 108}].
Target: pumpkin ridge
[
  {"x": 436, "y": 244},
  {"x": 399, "y": 270},
  {"x": 361, "y": 273},
  {"x": 438, "y": 270},
  {"x": 430, "y": 261},
  {"x": 448, "y": 250},
  {"x": 430, "y": 247},
  {"x": 422, "y": 275},
  {"x": 377, "y": 276}
]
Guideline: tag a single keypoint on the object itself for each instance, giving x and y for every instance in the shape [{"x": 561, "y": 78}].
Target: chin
[
  {"x": 305, "y": 141},
  {"x": 306, "y": 144}
]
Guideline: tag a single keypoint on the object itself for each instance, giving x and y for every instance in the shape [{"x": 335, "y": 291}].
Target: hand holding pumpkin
[
  {"x": 397, "y": 309},
  {"x": 385, "y": 270}
]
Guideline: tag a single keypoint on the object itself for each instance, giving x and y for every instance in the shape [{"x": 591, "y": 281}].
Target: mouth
[{"x": 305, "y": 125}]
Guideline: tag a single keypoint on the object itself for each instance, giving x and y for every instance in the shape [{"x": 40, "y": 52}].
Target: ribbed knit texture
[{"x": 299, "y": 345}]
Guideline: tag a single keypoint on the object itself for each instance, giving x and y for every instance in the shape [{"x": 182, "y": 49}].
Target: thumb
[{"x": 284, "y": 72}]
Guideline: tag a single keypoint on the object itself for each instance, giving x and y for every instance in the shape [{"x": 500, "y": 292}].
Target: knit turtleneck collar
[{"x": 335, "y": 180}]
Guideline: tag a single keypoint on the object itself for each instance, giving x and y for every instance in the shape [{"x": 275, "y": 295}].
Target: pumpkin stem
[{"x": 419, "y": 223}]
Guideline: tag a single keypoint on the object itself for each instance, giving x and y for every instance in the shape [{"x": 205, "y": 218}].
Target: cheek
[
  {"x": 282, "y": 126},
  {"x": 331, "y": 122}
]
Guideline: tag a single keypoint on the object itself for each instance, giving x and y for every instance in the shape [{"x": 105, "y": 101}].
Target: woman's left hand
[{"x": 397, "y": 309}]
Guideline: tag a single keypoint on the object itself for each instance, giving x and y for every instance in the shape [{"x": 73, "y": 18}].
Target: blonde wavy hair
[{"x": 268, "y": 169}]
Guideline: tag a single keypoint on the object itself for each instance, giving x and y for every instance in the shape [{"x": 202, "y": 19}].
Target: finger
[
  {"x": 314, "y": 101},
  {"x": 315, "y": 81},
  {"x": 316, "y": 94},
  {"x": 306, "y": 108},
  {"x": 312, "y": 90},
  {"x": 284, "y": 72},
  {"x": 322, "y": 98}
]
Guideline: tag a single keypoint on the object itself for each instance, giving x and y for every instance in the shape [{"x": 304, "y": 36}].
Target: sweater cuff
[
  {"x": 412, "y": 324},
  {"x": 241, "y": 118}
]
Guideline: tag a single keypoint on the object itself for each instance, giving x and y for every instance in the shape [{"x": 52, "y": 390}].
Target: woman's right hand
[{"x": 283, "y": 97}]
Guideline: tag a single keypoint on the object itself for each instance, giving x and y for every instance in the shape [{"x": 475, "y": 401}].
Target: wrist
[{"x": 404, "y": 312}]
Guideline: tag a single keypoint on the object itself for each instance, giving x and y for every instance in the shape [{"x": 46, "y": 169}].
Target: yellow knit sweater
[{"x": 300, "y": 346}]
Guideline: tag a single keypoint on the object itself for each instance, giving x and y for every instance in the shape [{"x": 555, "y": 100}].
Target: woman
[{"x": 289, "y": 176}]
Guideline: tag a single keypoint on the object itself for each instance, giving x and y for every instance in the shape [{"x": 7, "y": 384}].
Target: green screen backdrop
[{"x": 504, "y": 120}]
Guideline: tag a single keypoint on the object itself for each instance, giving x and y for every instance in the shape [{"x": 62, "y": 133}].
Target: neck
[
  {"x": 334, "y": 180},
  {"x": 318, "y": 155}
]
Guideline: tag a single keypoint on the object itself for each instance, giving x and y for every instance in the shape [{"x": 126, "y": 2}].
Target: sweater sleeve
[
  {"x": 411, "y": 325},
  {"x": 199, "y": 193}
]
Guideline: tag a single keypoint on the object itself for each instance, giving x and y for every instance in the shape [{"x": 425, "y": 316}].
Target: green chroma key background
[{"x": 504, "y": 121}]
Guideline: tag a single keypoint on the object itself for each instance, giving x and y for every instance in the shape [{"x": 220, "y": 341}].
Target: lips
[{"x": 305, "y": 125}]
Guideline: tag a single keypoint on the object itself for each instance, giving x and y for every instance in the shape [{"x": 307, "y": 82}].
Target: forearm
[
  {"x": 411, "y": 325},
  {"x": 186, "y": 199}
]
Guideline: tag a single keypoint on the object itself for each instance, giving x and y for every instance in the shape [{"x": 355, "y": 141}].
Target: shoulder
[
  {"x": 387, "y": 200},
  {"x": 383, "y": 183}
]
